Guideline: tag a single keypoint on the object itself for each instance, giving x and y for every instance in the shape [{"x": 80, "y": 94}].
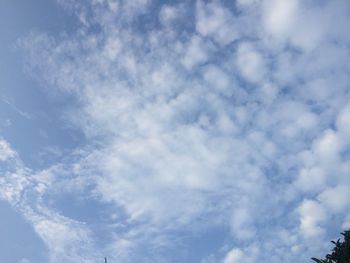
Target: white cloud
[
  {"x": 235, "y": 256},
  {"x": 269, "y": 92},
  {"x": 112, "y": 48},
  {"x": 197, "y": 52},
  {"x": 12, "y": 185},
  {"x": 169, "y": 125},
  {"x": 328, "y": 147},
  {"x": 337, "y": 198},
  {"x": 217, "y": 79},
  {"x": 5, "y": 150},
  {"x": 66, "y": 239},
  {"x": 113, "y": 5},
  {"x": 311, "y": 179},
  {"x": 250, "y": 63},
  {"x": 241, "y": 224},
  {"x": 214, "y": 20},
  {"x": 302, "y": 24},
  {"x": 312, "y": 214},
  {"x": 343, "y": 123},
  {"x": 246, "y": 3},
  {"x": 248, "y": 254},
  {"x": 170, "y": 14},
  {"x": 280, "y": 16}
]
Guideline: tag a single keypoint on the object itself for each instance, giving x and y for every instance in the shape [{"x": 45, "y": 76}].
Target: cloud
[
  {"x": 201, "y": 123},
  {"x": 312, "y": 215},
  {"x": 24, "y": 189},
  {"x": 246, "y": 3},
  {"x": 328, "y": 146},
  {"x": 280, "y": 16},
  {"x": 250, "y": 63},
  {"x": 15, "y": 108},
  {"x": 241, "y": 224},
  {"x": 336, "y": 198},
  {"x": 217, "y": 79},
  {"x": 248, "y": 254},
  {"x": 312, "y": 179},
  {"x": 66, "y": 240},
  {"x": 5, "y": 150},
  {"x": 215, "y": 21},
  {"x": 170, "y": 14},
  {"x": 234, "y": 256},
  {"x": 343, "y": 123},
  {"x": 197, "y": 52},
  {"x": 304, "y": 25}
]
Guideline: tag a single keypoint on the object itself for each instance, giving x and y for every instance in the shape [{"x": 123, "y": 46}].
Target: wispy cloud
[
  {"x": 15, "y": 108},
  {"x": 6, "y": 151},
  {"x": 25, "y": 190},
  {"x": 238, "y": 117}
]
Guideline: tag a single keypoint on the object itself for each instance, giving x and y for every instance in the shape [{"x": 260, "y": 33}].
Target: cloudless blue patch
[{"x": 18, "y": 239}]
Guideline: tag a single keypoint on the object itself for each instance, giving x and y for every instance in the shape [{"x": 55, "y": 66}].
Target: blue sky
[{"x": 173, "y": 131}]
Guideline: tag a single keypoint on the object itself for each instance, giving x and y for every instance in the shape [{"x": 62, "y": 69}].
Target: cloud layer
[{"x": 197, "y": 116}]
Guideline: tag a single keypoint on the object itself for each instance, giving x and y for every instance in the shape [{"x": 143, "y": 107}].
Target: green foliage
[{"x": 340, "y": 253}]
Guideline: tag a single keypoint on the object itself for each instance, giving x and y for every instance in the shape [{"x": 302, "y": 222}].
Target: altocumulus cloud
[{"x": 198, "y": 115}]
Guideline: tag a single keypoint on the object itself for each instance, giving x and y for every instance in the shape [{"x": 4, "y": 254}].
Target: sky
[{"x": 173, "y": 131}]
